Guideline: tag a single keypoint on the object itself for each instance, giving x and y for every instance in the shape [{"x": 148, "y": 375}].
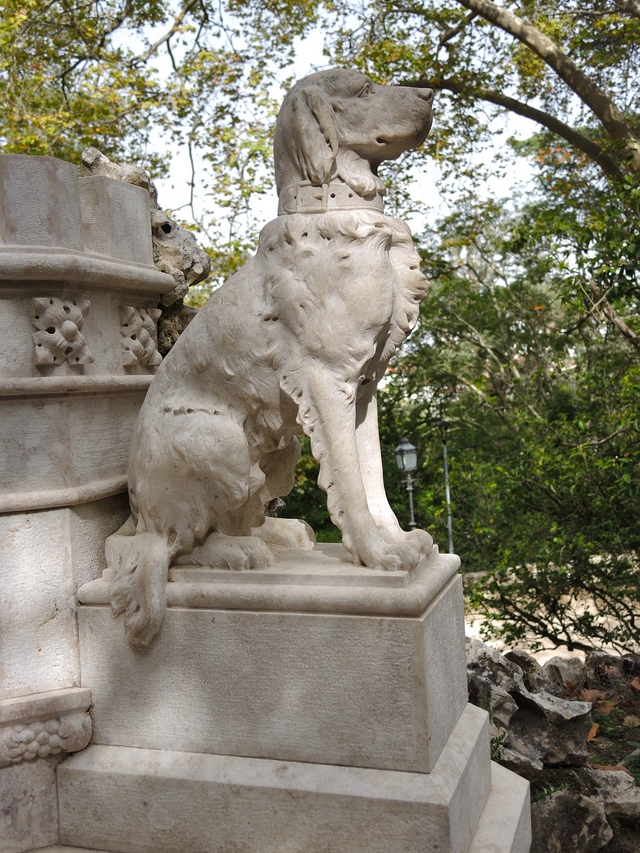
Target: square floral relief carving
[{"x": 59, "y": 338}]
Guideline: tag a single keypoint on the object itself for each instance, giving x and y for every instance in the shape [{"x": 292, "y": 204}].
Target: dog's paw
[
  {"x": 418, "y": 539},
  {"x": 421, "y": 540},
  {"x": 287, "y": 533},
  {"x": 392, "y": 557},
  {"x": 238, "y": 553}
]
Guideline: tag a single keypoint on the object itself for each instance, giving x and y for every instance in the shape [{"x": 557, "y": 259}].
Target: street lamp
[
  {"x": 443, "y": 428},
  {"x": 407, "y": 462}
]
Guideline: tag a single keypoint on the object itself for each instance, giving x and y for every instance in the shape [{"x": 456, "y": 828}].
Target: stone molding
[
  {"x": 49, "y": 498},
  {"x": 430, "y": 578},
  {"x": 44, "y": 724},
  {"x": 48, "y": 386},
  {"x": 35, "y": 263}
]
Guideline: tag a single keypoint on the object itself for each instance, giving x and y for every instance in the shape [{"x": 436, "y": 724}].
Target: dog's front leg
[
  {"x": 370, "y": 457},
  {"x": 328, "y": 417}
]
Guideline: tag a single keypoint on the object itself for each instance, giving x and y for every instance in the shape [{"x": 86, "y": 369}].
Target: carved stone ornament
[
  {"x": 39, "y": 738},
  {"x": 139, "y": 336},
  {"x": 58, "y": 338}
]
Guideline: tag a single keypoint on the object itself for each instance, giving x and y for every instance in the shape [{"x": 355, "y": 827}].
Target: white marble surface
[
  {"x": 354, "y": 690},
  {"x": 39, "y": 649},
  {"x": 44, "y": 555},
  {"x": 42, "y": 705},
  {"x": 28, "y": 806},
  {"x": 298, "y": 590},
  {"x": 150, "y": 800},
  {"x": 505, "y": 823}
]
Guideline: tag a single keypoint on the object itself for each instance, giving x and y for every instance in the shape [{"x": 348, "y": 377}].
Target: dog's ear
[{"x": 314, "y": 144}]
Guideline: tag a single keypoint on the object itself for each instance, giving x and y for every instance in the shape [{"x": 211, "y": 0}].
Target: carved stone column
[{"x": 75, "y": 259}]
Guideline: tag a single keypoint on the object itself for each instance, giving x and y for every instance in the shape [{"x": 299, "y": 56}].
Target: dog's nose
[{"x": 426, "y": 94}]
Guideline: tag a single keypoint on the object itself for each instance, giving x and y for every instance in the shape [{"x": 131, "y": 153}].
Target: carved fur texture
[{"x": 295, "y": 342}]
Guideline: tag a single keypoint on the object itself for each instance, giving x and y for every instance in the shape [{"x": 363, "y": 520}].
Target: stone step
[
  {"x": 58, "y": 848},
  {"x": 505, "y": 822},
  {"x": 504, "y": 825},
  {"x": 156, "y": 801}
]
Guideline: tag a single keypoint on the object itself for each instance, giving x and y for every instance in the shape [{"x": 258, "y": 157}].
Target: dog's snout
[{"x": 426, "y": 94}]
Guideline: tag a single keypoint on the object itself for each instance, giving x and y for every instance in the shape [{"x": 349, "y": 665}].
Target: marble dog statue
[{"x": 295, "y": 342}]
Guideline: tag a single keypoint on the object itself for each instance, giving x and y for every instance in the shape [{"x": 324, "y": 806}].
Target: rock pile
[{"x": 542, "y": 735}]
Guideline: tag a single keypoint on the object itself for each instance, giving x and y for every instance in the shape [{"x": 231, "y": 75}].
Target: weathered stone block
[{"x": 365, "y": 691}]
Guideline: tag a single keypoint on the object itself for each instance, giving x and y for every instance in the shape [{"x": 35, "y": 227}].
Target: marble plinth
[
  {"x": 76, "y": 256},
  {"x": 377, "y": 691},
  {"x": 504, "y": 825},
  {"x": 170, "y": 801}
]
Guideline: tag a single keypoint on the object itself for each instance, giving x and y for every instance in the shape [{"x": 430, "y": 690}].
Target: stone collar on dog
[{"x": 304, "y": 197}]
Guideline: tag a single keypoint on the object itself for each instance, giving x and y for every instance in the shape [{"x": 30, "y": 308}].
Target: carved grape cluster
[
  {"x": 139, "y": 336},
  {"x": 39, "y": 738}
]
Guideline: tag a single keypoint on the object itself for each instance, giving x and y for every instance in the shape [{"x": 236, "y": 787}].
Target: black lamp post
[
  {"x": 443, "y": 428},
  {"x": 407, "y": 462}
]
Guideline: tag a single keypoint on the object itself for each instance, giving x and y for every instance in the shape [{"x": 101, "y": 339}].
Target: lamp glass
[{"x": 406, "y": 455}]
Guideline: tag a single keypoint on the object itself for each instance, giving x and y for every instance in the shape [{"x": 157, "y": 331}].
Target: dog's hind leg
[
  {"x": 187, "y": 468},
  {"x": 369, "y": 455}
]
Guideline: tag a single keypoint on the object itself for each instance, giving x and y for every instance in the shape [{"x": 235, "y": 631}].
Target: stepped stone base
[
  {"x": 156, "y": 801},
  {"x": 311, "y": 708},
  {"x": 153, "y": 801}
]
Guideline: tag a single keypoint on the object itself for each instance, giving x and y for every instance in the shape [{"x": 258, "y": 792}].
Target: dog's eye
[{"x": 366, "y": 91}]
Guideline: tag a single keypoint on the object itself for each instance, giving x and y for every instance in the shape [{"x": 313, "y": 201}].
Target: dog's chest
[{"x": 365, "y": 289}]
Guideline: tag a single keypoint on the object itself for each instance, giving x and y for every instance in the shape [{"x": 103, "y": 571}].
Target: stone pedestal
[
  {"x": 75, "y": 256},
  {"x": 316, "y": 706}
]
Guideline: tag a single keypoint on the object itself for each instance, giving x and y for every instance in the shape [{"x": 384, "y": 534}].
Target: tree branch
[
  {"x": 611, "y": 314},
  {"x": 589, "y": 93},
  {"x": 572, "y": 136},
  {"x": 173, "y": 29},
  {"x": 452, "y": 32},
  {"x": 115, "y": 23},
  {"x": 630, "y": 6}
]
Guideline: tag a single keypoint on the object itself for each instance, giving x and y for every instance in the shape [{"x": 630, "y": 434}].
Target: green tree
[{"x": 544, "y": 404}]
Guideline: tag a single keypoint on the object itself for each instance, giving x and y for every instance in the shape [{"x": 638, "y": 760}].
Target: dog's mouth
[{"x": 419, "y": 135}]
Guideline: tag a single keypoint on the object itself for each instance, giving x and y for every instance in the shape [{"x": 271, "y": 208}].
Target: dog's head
[{"x": 338, "y": 124}]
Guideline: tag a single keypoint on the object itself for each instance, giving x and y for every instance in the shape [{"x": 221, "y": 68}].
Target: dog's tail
[{"x": 141, "y": 562}]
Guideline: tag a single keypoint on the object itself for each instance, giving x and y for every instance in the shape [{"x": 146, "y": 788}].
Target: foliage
[
  {"x": 545, "y": 405},
  {"x": 141, "y": 79}
]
